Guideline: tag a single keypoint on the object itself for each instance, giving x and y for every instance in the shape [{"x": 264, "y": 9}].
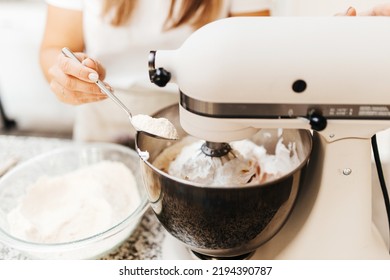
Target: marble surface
[{"x": 145, "y": 242}]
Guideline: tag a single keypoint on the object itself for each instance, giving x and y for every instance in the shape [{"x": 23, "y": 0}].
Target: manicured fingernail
[
  {"x": 93, "y": 77},
  {"x": 85, "y": 61}
]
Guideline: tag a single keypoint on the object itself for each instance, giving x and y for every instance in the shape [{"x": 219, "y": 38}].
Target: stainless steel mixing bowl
[{"x": 222, "y": 222}]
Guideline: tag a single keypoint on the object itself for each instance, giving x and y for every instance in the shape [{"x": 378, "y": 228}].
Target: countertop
[
  {"x": 145, "y": 242},
  {"x": 149, "y": 241}
]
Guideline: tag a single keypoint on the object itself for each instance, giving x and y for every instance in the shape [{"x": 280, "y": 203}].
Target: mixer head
[{"x": 239, "y": 75}]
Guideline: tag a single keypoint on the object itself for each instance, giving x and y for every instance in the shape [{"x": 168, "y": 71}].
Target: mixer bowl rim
[{"x": 233, "y": 187}]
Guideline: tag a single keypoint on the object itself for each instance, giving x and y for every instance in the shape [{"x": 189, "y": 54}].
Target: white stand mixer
[{"x": 330, "y": 75}]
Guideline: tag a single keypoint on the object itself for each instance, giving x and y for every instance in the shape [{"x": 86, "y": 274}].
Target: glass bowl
[{"x": 87, "y": 208}]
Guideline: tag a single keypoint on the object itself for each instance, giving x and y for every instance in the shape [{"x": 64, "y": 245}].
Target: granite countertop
[
  {"x": 145, "y": 243},
  {"x": 149, "y": 241}
]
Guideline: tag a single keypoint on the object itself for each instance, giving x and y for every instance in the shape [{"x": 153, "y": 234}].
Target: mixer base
[
  {"x": 172, "y": 249},
  {"x": 199, "y": 256}
]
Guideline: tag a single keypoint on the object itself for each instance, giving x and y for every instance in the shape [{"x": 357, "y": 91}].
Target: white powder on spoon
[
  {"x": 158, "y": 126},
  {"x": 76, "y": 205}
]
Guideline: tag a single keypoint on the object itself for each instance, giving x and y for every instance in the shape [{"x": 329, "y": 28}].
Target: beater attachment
[
  {"x": 218, "y": 151},
  {"x": 212, "y": 164}
]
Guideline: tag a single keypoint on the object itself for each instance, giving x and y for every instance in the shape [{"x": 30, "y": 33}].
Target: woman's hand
[
  {"x": 74, "y": 82},
  {"x": 71, "y": 81},
  {"x": 379, "y": 10}
]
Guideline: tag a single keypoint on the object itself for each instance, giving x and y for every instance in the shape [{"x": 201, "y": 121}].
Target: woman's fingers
[
  {"x": 94, "y": 64},
  {"x": 77, "y": 69},
  {"x": 74, "y": 82},
  {"x": 74, "y": 97},
  {"x": 381, "y": 10},
  {"x": 351, "y": 11}
]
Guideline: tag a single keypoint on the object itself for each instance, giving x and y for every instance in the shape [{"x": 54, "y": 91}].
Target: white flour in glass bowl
[{"x": 75, "y": 205}]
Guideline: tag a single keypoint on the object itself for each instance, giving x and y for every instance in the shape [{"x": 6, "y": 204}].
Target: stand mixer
[{"x": 329, "y": 75}]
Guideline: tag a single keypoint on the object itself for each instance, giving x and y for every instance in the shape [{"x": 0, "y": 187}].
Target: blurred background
[
  {"x": 29, "y": 107},
  {"x": 25, "y": 95}
]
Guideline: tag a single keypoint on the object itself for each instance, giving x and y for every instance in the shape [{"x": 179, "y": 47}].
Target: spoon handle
[
  {"x": 68, "y": 53},
  {"x": 102, "y": 87}
]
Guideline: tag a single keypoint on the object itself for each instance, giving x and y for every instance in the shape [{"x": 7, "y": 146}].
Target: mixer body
[
  {"x": 329, "y": 75},
  {"x": 332, "y": 218}
]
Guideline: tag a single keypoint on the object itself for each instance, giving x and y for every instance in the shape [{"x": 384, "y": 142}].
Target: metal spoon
[{"x": 147, "y": 130}]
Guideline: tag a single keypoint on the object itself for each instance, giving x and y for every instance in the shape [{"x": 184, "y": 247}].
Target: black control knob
[
  {"x": 160, "y": 77},
  {"x": 317, "y": 121}
]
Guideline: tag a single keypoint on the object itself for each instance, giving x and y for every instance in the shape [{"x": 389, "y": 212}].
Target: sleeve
[
  {"x": 241, "y": 6},
  {"x": 67, "y": 4}
]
